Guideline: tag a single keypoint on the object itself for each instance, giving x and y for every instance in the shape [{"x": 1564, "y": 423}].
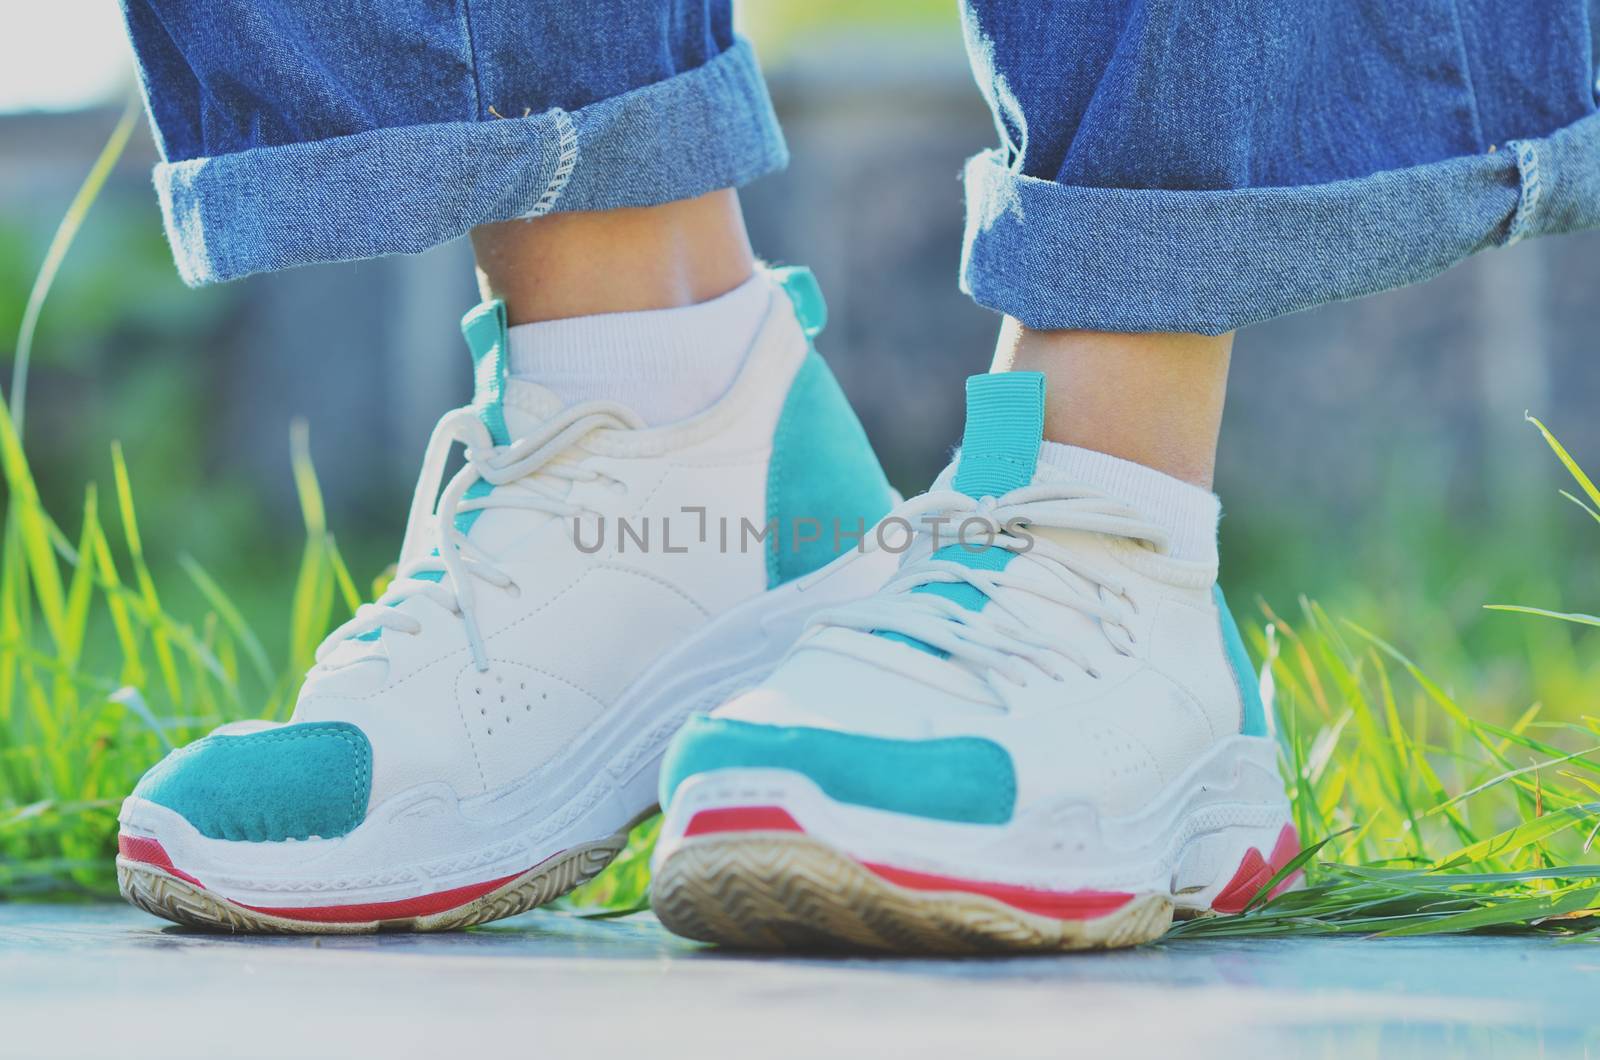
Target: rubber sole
[
  {"x": 157, "y": 890},
  {"x": 781, "y": 891}
]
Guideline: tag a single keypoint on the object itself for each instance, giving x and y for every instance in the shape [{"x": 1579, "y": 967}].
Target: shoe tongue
[
  {"x": 527, "y": 405},
  {"x": 1005, "y": 425}
]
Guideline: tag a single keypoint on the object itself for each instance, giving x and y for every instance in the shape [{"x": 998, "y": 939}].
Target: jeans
[
  {"x": 301, "y": 131},
  {"x": 1164, "y": 165}
]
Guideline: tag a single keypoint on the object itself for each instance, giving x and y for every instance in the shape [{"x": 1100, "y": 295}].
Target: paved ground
[{"x": 99, "y": 981}]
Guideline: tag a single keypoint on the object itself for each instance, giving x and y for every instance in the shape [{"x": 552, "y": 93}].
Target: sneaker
[
  {"x": 481, "y": 739},
  {"x": 1044, "y": 737}
]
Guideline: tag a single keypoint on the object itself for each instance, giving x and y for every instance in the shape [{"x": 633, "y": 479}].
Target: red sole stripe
[
  {"x": 424, "y": 905},
  {"x": 1254, "y": 871},
  {"x": 150, "y": 852},
  {"x": 1058, "y": 905},
  {"x": 742, "y": 819}
]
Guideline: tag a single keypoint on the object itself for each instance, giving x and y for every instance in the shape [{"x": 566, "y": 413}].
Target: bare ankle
[
  {"x": 615, "y": 261},
  {"x": 1155, "y": 399}
]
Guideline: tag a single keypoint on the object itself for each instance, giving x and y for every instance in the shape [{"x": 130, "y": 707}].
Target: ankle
[
  {"x": 1152, "y": 399},
  {"x": 615, "y": 261}
]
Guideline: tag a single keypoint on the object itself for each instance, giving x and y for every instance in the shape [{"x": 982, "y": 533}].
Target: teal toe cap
[
  {"x": 293, "y": 782},
  {"x": 965, "y": 779}
]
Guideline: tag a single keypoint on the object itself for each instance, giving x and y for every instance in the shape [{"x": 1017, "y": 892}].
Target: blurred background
[{"x": 1375, "y": 455}]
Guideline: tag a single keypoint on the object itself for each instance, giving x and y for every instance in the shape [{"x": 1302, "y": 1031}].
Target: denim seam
[
  {"x": 1528, "y": 198},
  {"x": 567, "y": 139},
  {"x": 472, "y": 57},
  {"x": 1462, "y": 53}
]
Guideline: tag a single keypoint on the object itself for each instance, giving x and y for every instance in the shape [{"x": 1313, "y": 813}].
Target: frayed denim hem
[
  {"x": 1115, "y": 259},
  {"x": 404, "y": 190}
]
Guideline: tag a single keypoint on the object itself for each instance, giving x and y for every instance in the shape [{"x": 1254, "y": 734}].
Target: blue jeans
[{"x": 1164, "y": 165}]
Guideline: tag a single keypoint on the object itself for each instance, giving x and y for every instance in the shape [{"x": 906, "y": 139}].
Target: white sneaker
[
  {"x": 480, "y": 740},
  {"x": 1050, "y": 742}
]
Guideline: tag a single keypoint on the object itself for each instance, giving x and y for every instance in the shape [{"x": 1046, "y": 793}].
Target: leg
[
  {"x": 615, "y": 261},
  {"x": 1051, "y": 737},
  {"x": 652, "y": 306},
  {"x": 1114, "y": 393}
]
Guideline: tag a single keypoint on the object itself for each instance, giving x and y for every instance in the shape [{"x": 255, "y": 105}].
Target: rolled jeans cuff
[
  {"x": 404, "y": 190},
  {"x": 1120, "y": 259}
]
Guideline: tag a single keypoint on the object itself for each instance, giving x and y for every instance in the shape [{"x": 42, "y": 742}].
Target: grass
[
  {"x": 1427, "y": 817},
  {"x": 1427, "y": 812}
]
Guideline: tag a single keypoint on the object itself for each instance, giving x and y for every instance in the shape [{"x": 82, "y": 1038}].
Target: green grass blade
[
  {"x": 60, "y": 243},
  {"x": 1578, "y": 476},
  {"x": 81, "y": 588},
  {"x": 159, "y": 638},
  {"x": 1564, "y": 616},
  {"x": 230, "y": 615},
  {"x": 1501, "y": 913},
  {"x": 33, "y": 527}
]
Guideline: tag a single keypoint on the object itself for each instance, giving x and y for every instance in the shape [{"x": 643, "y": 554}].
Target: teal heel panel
[
  {"x": 823, "y": 476},
  {"x": 1254, "y": 722}
]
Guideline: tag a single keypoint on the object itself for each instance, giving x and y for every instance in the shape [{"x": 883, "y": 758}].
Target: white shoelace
[
  {"x": 998, "y": 638},
  {"x": 433, "y": 545}
]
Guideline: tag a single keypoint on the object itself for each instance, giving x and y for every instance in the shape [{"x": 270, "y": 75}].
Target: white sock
[
  {"x": 665, "y": 364},
  {"x": 1187, "y": 512}
]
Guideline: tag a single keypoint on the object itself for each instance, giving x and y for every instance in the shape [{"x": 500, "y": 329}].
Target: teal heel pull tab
[
  {"x": 809, "y": 306},
  {"x": 999, "y": 453},
  {"x": 484, "y": 328}
]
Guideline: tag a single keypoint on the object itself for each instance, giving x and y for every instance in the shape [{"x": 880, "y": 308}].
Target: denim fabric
[
  {"x": 298, "y": 132},
  {"x": 1179, "y": 165},
  {"x": 1165, "y": 165}
]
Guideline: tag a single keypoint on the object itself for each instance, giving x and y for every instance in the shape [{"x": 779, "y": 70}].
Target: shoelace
[
  {"x": 434, "y": 545},
  {"x": 997, "y": 638}
]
